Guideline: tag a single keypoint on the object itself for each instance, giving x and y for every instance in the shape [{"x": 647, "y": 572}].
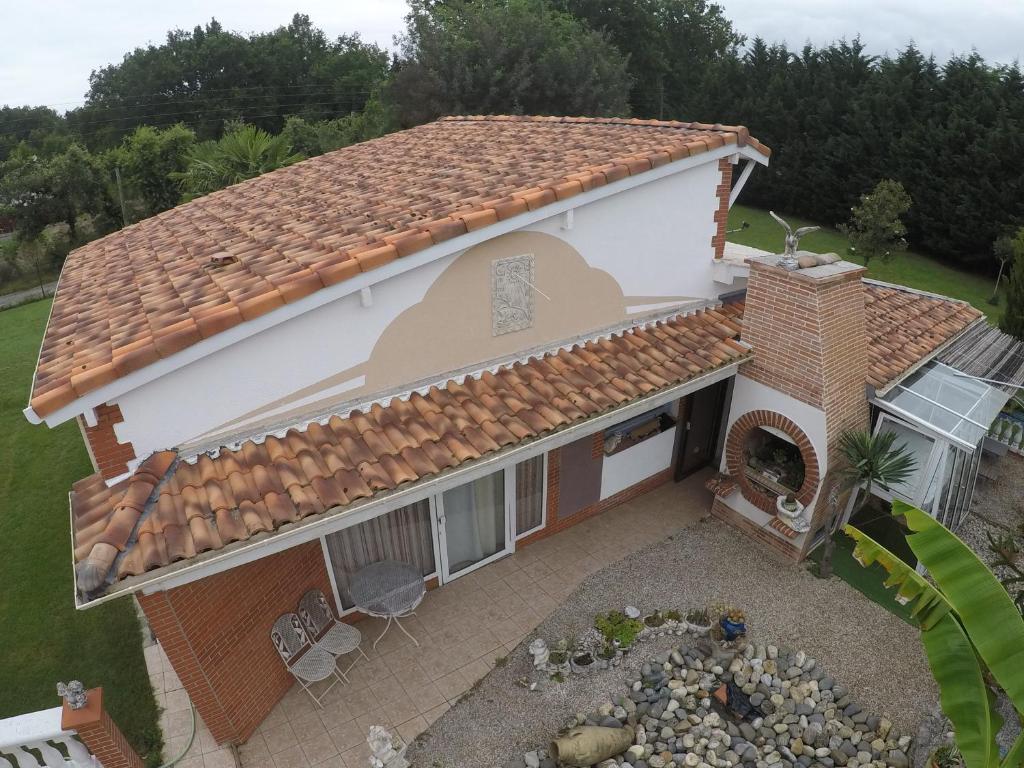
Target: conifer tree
[{"x": 1013, "y": 318}]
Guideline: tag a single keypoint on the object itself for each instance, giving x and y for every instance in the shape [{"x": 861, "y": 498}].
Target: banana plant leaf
[
  {"x": 965, "y": 698},
  {"x": 927, "y": 604},
  {"x": 982, "y": 604}
]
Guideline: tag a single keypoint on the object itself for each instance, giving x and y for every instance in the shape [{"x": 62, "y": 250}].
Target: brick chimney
[{"x": 809, "y": 334}]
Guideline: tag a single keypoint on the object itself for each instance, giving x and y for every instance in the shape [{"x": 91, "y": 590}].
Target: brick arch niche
[{"x": 736, "y": 446}]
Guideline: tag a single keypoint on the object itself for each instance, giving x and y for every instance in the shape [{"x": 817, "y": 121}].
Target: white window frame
[
  {"x": 509, "y": 487},
  {"x": 436, "y": 502},
  {"x": 543, "y": 501},
  {"x": 329, "y": 564}
]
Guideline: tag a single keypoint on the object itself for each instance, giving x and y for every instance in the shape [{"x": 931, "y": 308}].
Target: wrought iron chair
[
  {"x": 308, "y": 663},
  {"x": 325, "y": 631}
]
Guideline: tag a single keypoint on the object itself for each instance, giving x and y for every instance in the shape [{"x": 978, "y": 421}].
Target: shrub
[{"x": 615, "y": 625}]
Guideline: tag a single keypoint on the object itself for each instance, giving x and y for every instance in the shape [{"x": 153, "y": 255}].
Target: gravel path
[
  {"x": 864, "y": 647},
  {"x": 29, "y": 294}
]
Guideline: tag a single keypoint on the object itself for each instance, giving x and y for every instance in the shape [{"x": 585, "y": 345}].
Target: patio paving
[{"x": 464, "y": 629}]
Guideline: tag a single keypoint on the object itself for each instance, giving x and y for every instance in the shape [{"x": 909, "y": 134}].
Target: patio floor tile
[
  {"x": 293, "y": 757},
  {"x": 319, "y": 748},
  {"x": 280, "y": 738},
  {"x": 347, "y": 736},
  {"x": 410, "y": 729},
  {"x": 453, "y": 685}
]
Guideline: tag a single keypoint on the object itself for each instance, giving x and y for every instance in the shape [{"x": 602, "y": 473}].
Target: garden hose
[{"x": 191, "y": 740}]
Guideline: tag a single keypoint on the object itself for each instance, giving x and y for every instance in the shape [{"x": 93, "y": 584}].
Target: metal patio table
[{"x": 390, "y": 590}]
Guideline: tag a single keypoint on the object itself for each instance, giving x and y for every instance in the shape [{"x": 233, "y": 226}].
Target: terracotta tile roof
[
  {"x": 905, "y": 326},
  {"x": 159, "y": 286},
  {"x": 173, "y": 510}
]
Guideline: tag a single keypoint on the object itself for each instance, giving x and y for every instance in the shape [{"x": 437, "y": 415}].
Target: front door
[
  {"x": 473, "y": 525},
  {"x": 701, "y": 416}
]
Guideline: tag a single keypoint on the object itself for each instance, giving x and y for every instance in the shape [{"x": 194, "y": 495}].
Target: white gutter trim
[
  {"x": 748, "y": 168},
  {"x": 28, "y": 411},
  {"x": 244, "y": 330},
  {"x": 304, "y": 531}
]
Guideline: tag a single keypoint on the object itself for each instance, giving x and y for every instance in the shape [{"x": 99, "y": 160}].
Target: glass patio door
[{"x": 473, "y": 525}]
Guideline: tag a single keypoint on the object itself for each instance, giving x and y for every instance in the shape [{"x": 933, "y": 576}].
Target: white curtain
[
  {"x": 403, "y": 534},
  {"x": 529, "y": 494},
  {"x": 474, "y": 521}
]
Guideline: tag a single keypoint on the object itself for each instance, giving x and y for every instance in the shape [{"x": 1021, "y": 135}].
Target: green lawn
[
  {"x": 911, "y": 269},
  {"x": 44, "y": 639}
]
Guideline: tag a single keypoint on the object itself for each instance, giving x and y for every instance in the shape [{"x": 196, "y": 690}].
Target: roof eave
[{"x": 308, "y": 529}]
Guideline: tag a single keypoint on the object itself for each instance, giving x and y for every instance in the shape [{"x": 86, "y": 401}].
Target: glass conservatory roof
[{"x": 944, "y": 400}]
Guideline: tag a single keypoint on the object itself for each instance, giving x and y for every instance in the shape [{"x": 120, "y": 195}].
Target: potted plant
[
  {"x": 581, "y": 662},
  {"x": 733, "y": 624},
  {"x": 654, "y": 620},
  {"x": 618, "y": 629},
  {"x": 697, "y": 621},
  {"x": 558, "y": 659},
  {"x": 788, "y": 506},
  {"x": 673, "y": 619}
]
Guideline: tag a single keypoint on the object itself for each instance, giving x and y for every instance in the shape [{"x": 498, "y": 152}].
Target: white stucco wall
[
  {"x": 749, "y": 395},
  {"x": 653, "y": 239}
]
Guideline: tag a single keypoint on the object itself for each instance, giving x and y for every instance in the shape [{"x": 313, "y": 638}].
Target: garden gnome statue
[
  {"x": 73, "y": 693},
  {"x": 539, "y": 650},
  {"x": 789, "y": 254},
  {"x": 382, "y": 749}
]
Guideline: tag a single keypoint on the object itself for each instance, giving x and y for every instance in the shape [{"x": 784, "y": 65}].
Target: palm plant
[
  {"x": 970, "y": 629},
  {"x": 240, "y": 154},
  {"x": 870, "y": 461}
]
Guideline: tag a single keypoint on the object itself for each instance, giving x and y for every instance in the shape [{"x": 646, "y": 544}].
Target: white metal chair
[
  {"x": 325, "y": 631},
  {"x": 307, "y": 663}
]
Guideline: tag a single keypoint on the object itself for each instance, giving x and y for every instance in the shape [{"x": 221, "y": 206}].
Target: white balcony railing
[{"x": 36, "y": 740}]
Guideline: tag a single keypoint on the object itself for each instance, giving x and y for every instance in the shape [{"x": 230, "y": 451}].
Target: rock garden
[
  {"x": 825, "y": 677},
  {"x": 709, "y": 703}
]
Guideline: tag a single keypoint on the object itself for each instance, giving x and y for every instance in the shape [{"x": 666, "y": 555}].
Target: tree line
[{"x": 210, "y": 106}]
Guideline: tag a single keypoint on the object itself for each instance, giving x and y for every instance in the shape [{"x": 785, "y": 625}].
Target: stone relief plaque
[{"x": 512, "y": 294}]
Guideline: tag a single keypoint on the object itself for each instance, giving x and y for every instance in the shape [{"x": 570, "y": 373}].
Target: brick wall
[
  {"x": 760, "y": 534},
  {"x": 809, "y": 337},
  {"x": 808, "y": 329},
  {"x": 554, "y": 524},
  {"x": 722, "y": 214},
  {"x": 108, "y": 456},
  {"x": 735, "y": 456},
  {"x": 216, "y": 633},
  {"x": 99, "y": 733}
]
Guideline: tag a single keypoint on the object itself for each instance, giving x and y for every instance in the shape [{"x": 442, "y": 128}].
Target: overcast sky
[{"x": 50, "y": 46}]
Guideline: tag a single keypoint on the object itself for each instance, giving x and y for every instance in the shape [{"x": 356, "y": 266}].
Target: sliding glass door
[
  {"x": 446, "y": 535},
  {"x": 473, "y": 524}
]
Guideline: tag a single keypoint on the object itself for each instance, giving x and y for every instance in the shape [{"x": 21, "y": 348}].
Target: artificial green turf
[
  {"x": 43, "y": 638},
  {"x": 911, "y": 269},
  {"x": 870, "y": 582}
]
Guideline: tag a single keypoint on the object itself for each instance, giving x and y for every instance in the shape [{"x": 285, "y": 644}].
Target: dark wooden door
[{"x": 699, "y": 422}]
